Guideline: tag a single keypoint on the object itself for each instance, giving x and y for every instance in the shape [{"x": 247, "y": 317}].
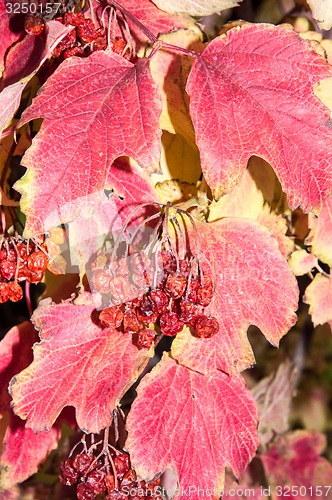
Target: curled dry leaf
[{"x": 274, "y": 395}]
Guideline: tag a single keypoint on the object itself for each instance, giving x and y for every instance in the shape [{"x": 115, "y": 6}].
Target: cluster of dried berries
[
  {"x": 170, "y": 296},
  {"x": 84, "y": 39},
  {"x": 19, "y": 261},
  {"x": 115, "y": 477}
]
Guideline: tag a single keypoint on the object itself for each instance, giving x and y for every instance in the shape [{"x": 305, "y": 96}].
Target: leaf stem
[{"x": 126, "y": 13}]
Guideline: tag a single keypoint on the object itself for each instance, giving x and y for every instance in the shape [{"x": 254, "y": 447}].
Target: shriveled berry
[
  {"x": 145, "y": 312},
  {"x": 111, "y": 317},
  {"x": 101, "y": 281},
  {"x": 85, "y": 491},
  {"x": 37, "y": 261},
  {"x": 192, "y": 288},
  {"x": 73, "y": 18},
  {"x": 109, "y": 482},
  {"x": 159, "y": 301},
  {"x": 82, "y": 462},
  {"x": 87, "y": 31},
  {"x": 23, "y": 251},
  {"x": 175, "y": 285},
  {"x": 11, "y": 255},
  {"x": 121, "y": 290},
  {"x": 7, "y": 269},
  {"x": 74, "y": 51},
  {"x": 204, "y": 292},
  {"x": 206, "y": 326},
  {"x": 117, "y": 495},
  {"x": 190, "y": 312},
  {"x": 35, "y": 277},
  {"x": 168, "y": 261},
  {"x": 145, "y": 338},
  {"x": 129, "y": 478},
  {"x": 131, "y": 323},
  {"x": 184, "y": 267},
  {"x": 122, "y": 464},
  {"x": 68, "y": 474},
  {"x": 95, "y": 479},
  {"x": 15, "y": 292},
  {"x": 34, "y": 25},
  {"x": 99, "y": 43},
  {"x": 170, "y": 324}
]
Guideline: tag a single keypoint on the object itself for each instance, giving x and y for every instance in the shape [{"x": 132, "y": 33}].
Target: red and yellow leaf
[
  {"x": 8, "y": 37},
  {"x": 248, "y": 268},
  {"x": 110, "y": 108},
  {"x": 251, "y": 93},
  {"x": 194, "y": 424},
  {"x": 319, "y": 297},
  {"x": 77, "y": 363},
  {"x": 22, "y": 450}
]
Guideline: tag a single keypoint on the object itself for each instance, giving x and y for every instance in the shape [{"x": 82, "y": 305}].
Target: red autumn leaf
[
  {"x": 23, "y": 450},
  {"x": 110, "y": 108},
  {"x": 248, "y": 268},
  {"x": 251, "y": 93},
  {"x": 320, "y": 236},
  {"x": 23, "y": 62},
  {"x": 193, "y": 423},
  {"x": 295, "y": 461},
  {"x": 77, "y": 363},
  {"x": 319, "y": 297},
  {"x": 8, "y": 36},
  {"x": 28, "y": 55}
]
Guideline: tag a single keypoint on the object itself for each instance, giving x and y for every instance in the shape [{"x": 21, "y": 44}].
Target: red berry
[
  {"x": 190, "y": 312},
  {"x": 95, "y": 479},
  {"x": 118, "y": 45},
  {"x": 4, "y": 293},
  {"x": 73, "y": 18},
  {"x": 100, "y": 43},
  {"x": 192, "y": 288},
  {"x": 109, "y": 482},
  {"x": 121, "y": 290},
  {"x": 75, "y": 51},
  {"x": 122, "y": 464},
  {"x": 11, "y": 255},
  {"x": 22, "y": 251},
  {"x": 159, "y": 301},
  {"x": 145, "y": 312},
  {"x": 206, "y": 326},
  {"x": 204, "y": 292},
  {"x": 129, "y": 478},
  {"x": 85, "y": 491},
  {"x": 82, "y": 462},
  {"x": 175, "y": 285},
  {"x": 168, "y": 261},
  {"x": 34, "y": 25},
  {"x": 15, "y": 292},
  {"x": 37, "y": 261},
  {"x": 111, "y": 317},
  {"x": 145, "y": 338},
  {"x": 35, "y": 277},
  {"x": 101, "y": 281},
  {"x": 68, "y": 474},
  {"x": 3, "y": 254},
  {"x": 131, "y": 323},
  {"x": 7, "y": 269},
  {"x": 184, "y": 267},
  {"x": 87, "y": 31},
  {"x": 170, "y": 324}
]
